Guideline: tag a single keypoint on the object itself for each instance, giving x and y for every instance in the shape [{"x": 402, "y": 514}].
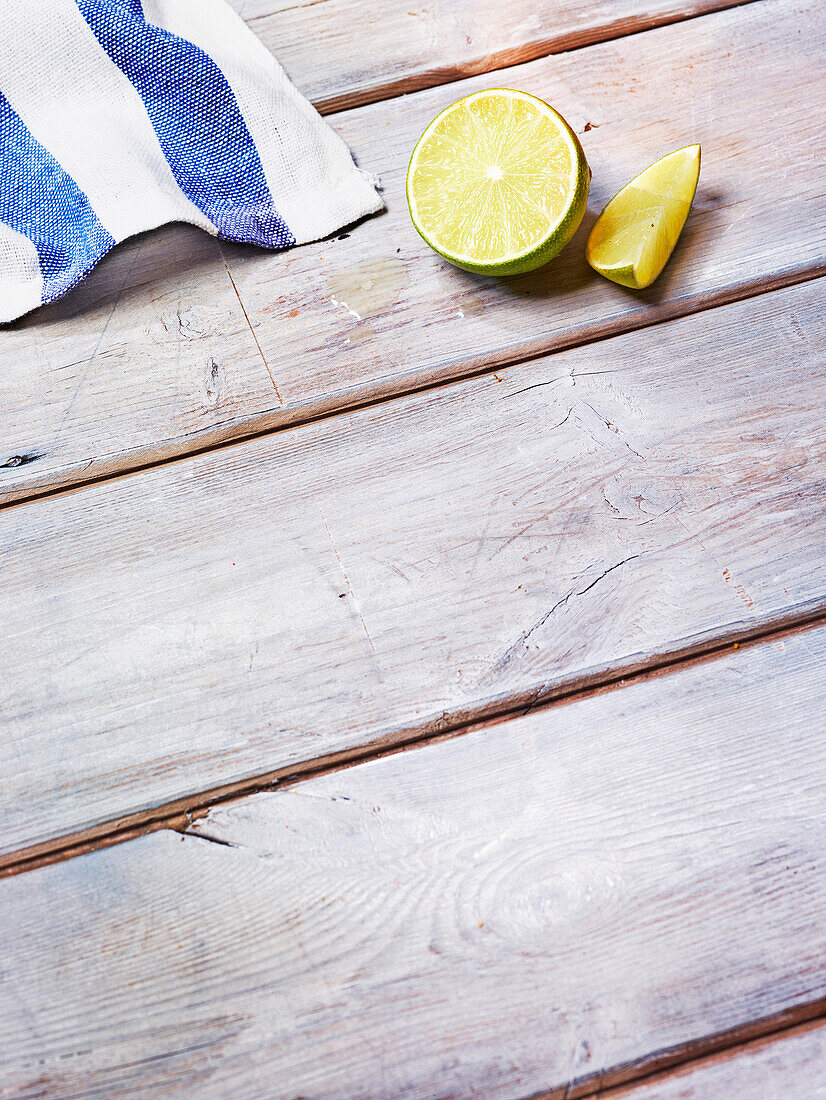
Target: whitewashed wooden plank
[
  {"x": 786, "y": 1066},
  {"x": 74, "y": 374},
  {"x": 374, "y": 51},
  {"x": 545, "y": 904},
  {"x": 377, "y": 574},
  {"x": 758, "y": 219}
]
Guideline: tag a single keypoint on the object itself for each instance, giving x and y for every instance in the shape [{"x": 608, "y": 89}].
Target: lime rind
[{"x": 635, "y": 234}]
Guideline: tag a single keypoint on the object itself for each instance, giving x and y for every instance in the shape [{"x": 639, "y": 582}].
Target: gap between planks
[
  {"x": 148, "y": 385},
  {"x": 179, "y": 814},
  {"x": 205, "y": 625},
  {"x": 207, "y": 932},
  {"x": 318, "y": 366},
  {"x": 509, "y": 58},
  {"x": 614, "y": 1084},
  {"x": 667, "y": 1067},
  {"x": 728, "y": 297}
]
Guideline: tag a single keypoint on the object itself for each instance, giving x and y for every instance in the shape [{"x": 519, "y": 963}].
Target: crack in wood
[
  {"x": 520, "y": 642},
  {"x": 347, "y": 581},
  {"x": 178, "y": 815}
]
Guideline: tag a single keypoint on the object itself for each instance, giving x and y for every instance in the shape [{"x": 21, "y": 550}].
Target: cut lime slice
[
  {"x": 636, "y": 232},
  {"x": 498, "y": 183}
]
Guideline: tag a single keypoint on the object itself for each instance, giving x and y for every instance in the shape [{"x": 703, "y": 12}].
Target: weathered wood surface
[
  {"x": 380, "y": 573},
  {"x": 788, "y": 1066},
  {"x": 567, "y": 898},
  {"x": 153, "y": 356},
  {"x": 412, "y": 47}
]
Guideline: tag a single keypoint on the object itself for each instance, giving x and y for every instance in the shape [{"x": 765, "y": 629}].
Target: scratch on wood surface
[
  {"x": 591, "y": 373},
  {"x": 479, "y": 547},
  {"x": 252, "y": 330},
  {"x": 506, "y": 540},
  {"x": 291, "y": 7},
  {"x": 396, "y": 569},
  {"x": 610, "y": 505},
  {"x": 536, "y": 386},
  {"x": 740, "y": 589},
  {"x": 93, "y": 356},
  {"x": 672, "y": 508},
  {"x": 612, "y": 427},
  {"x": 564, "y": 419},
  {"x": 512, "y": 650},
  {"x": 346, "y": 580}
]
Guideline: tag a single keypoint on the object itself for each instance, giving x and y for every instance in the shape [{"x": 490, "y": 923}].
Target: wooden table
[{"x": 562, "y": 542}]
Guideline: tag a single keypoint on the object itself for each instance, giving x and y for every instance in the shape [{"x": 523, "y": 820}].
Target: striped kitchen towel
[{"x": 117, "y": 116}]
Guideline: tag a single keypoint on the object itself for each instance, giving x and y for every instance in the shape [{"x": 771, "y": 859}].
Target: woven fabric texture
[{"x": 117, "y": 116}]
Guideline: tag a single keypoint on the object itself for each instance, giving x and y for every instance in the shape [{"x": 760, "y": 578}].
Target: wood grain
[
  {"x": 381, "y": 574},
  {"x": 786, "y": 1066},
  {"x": 150, "y": 358},
  {"x": 78, "y": 377},
  {"x": 413, "y": 47},
  {"x": 559, "y": 901}
]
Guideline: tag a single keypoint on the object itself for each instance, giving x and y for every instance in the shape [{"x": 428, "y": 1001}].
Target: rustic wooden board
[
  {"x": 74, "y": 375},
  {"x": 384, "y": 572},
  {"x": 564, "y": 899},
  {"x": 786, "y": 1066},
  {"x": 149, "y": 359},
  {"x": 415, "y": 47}
]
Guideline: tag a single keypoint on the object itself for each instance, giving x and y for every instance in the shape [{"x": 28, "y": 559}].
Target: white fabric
[
  {"x": 81, "y": 91},
  {"x": 316, "y": 193},
  {"x": 88, "y": 116},
  {"x": 21, "y": 281}
]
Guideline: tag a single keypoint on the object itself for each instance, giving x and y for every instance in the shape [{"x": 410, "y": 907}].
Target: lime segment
[
  {"x": 638, "y": 229},
  {"x": 498, "y": 182}
]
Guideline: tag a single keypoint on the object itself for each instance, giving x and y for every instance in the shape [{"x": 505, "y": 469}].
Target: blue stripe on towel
[
  {"x": 189, "y": 103},
  {"x": 39, "y": 199}
]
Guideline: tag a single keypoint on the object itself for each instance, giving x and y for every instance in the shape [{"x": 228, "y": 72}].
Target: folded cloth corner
[{"x": 117, "y": 116}]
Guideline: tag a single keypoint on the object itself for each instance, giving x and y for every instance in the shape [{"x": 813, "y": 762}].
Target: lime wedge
[
  {"x": 636, "y": 232},
  {"x": 498, "y": 183}
]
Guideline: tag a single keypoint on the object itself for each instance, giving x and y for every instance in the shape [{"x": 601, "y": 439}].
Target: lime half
[
  {"x": 636, "y": 232},
  {"x": 498, "y": 183}
]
